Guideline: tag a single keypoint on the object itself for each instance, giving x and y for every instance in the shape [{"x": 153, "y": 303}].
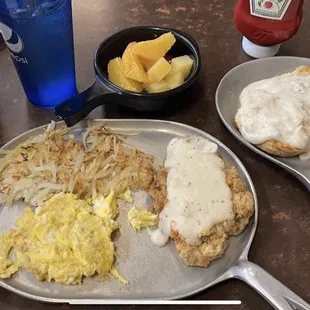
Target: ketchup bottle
[{"x": 265, "y": 24}]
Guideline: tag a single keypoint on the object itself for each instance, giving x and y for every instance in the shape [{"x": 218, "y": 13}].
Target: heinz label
[{"x": 271, "y": 9}]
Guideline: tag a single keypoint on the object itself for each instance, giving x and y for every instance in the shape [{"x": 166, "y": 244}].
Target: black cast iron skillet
[{"x": 103, "y": 91}]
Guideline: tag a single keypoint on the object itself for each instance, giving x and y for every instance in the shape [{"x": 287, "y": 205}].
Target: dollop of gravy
[
  {"x": 197, "y": 193},
  {"x": 277, "y": 109}
]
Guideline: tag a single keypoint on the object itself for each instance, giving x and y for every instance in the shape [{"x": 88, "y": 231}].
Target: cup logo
[{"x": 12, "y": 39}]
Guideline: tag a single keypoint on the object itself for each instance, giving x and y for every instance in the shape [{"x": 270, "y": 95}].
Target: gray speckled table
[{"x": 282, "y": 242}]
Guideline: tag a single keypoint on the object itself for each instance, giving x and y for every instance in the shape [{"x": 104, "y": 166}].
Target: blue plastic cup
[{"x": 39, "y": 36}]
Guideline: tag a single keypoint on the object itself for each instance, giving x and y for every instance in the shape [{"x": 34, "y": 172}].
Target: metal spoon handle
[{"x": 277, "y": 294}]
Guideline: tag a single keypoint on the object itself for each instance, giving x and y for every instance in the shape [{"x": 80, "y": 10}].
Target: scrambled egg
[
  {"x": 126, "y": 196},
  {"x": 139, "y": 219},
  {"x": 64, "y": 240},
  {"x": 7, "y": 266},
  {"x": 106, "y": 208}
]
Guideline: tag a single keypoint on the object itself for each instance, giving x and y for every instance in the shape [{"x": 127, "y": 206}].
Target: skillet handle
[
  {"x": 277, "y": 294},
  {"x": 77, "y": 108}
]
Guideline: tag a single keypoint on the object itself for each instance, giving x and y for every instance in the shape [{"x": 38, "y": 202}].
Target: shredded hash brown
[{"x": 56, "y": 161}]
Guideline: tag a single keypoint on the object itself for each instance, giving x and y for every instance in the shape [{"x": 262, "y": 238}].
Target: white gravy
[
  {"x": 197, "y": 193},
  {"x": 277, "y": 109}
]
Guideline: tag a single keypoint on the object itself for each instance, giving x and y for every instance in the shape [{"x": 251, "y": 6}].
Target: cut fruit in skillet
[
  {"x": 133, "y": 67},
  {"x": 154, "y": 49},
  {"x": 182, "y": 64},
  {"x": 158, "y": 71},
  {"x": 174, "y": 80},
  {"x": 157, "y": 87},
  {"x": 118, "y": 77}
]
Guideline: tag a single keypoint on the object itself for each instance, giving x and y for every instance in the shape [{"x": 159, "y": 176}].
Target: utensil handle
[
  {"x": 77, "y": 108},
  {"x": 277, "y": 294}
]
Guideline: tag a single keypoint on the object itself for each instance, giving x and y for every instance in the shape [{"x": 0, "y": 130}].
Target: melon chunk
[
  {"x": 156, "y": 48},
  {"x": 157, "y": 87},
  {"x": 133, "y": 68},
  {"x": 158, "y": 71},
  {"x": 117, "y": 76},
  {"x": 182, "y": 64},
  {"x": 175, "y": 80}
]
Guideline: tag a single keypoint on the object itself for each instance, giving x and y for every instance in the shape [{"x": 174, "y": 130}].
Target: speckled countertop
[{"x": 282, "y": 242}]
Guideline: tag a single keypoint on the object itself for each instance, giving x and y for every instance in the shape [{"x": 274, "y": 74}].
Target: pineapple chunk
[
  {"x": 118, "y": 77},
  {"x": 155, "y": 49},
  {"x": 133, "y": 68},
  {"x": 158, "y": 71},
  {"x": 182, "y": 64},
  {"x": 157, "y": 87},
  {"x": 174, "y": 80},
  {"x": 147, "y": 64},
  {"x": 170, "y": 73}
]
